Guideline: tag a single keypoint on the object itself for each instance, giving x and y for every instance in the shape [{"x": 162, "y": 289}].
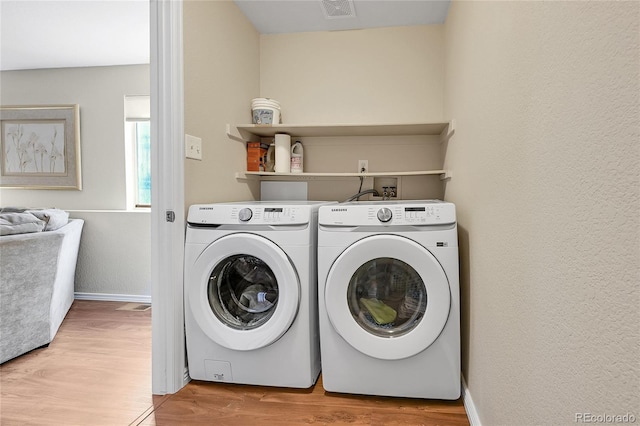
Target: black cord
[{"x": 360, "y": 189}]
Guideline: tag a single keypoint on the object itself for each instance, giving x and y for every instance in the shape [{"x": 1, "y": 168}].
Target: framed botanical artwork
[{"x": 40, "y": 147}]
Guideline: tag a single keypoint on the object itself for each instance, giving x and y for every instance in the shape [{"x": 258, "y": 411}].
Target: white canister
[
  {"x": 297, "y": 155},
  {"x": 283, "y": 153}
]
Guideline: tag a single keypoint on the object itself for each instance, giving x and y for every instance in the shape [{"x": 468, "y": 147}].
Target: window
[{"x": 138, "y": 151}]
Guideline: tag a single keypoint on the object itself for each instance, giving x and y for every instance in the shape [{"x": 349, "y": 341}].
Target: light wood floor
[{"x": 97, "y": 371}]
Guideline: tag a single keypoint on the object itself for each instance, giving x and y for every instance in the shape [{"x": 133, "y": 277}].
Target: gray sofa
[{"x": 37, "y": 274}]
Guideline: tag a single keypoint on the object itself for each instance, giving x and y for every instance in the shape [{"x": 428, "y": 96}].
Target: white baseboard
[
  {"x": 139, "y": 298},
  {"x": 469, "y": 407}
]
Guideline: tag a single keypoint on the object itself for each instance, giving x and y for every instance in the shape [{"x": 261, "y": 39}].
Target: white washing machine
[
  {"x": 251, "y": 293},
  {"x": 388, "y": 293}
]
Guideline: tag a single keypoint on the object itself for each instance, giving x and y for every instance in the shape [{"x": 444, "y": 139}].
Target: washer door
[
  {"x": 387, "y": 296},
  {"x": 246, "y": 292}
]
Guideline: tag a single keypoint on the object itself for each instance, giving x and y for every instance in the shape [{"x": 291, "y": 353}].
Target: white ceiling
[
  {"x": 73, "y": 33},
  {"x": 77, "y": 33},
  {"x": 293, "y": 16}
]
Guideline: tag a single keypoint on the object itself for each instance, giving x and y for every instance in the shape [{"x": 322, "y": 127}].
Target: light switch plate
[{"x": 193, "y": 147}]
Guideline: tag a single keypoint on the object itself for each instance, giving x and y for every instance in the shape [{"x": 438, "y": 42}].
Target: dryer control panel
[{"x": 383, "y": 213}]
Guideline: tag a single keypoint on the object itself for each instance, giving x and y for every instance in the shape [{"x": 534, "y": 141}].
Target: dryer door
[
  {"x": 246, "y": 292},
  {"x": 387, "y": 296}
]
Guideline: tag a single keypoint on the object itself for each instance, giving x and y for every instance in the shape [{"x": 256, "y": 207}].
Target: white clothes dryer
[
  {"x": 388, "y": 293},
  {"x": 251, "y": 293}
]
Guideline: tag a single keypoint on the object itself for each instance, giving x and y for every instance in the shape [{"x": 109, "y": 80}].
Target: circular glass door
[
  {"x": 243, "y": 292},
  {"x": 387, "y": 296},
  {"x": 247, "y": 291}
]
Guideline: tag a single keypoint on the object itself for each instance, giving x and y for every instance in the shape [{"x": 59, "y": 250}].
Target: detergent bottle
[{"x": 297, "y": 155}]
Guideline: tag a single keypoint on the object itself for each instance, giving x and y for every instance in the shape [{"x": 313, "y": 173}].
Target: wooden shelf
[
  {"x": 444, "y": 174},
  {"x": 252, "y": 132}
]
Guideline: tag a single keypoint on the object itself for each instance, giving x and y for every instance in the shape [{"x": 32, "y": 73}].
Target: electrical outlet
[
  {"x": 363, "y": 166},
  {"x": 193, "y": 147}
]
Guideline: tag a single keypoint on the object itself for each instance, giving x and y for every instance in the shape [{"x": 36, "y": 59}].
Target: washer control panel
[
  {"x": 430, "y": 212},
  {"x": 230, "y": 214},
  {"x": 266, "y": 215}
]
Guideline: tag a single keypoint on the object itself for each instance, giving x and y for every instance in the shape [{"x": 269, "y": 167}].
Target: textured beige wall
[
  {"x": 546, "y": 180},
  {"x": 221, "y": 76},
  {"x": 115, "y": 254},
  {"x": 383, "y": 75}
]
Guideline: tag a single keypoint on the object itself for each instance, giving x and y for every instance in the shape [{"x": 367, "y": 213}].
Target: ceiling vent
[{"x": 338, "y": 9}]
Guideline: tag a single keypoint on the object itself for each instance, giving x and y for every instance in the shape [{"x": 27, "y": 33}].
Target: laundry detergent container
[{"x": 265, "y": 111}]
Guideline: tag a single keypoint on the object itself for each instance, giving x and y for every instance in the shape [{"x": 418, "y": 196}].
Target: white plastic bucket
[
  {"x": 265, "y": 111},
  {"x": 265, "y": 101}
]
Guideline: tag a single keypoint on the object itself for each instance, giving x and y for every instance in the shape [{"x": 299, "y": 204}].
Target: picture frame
[{"x": 40, "y": 147}]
